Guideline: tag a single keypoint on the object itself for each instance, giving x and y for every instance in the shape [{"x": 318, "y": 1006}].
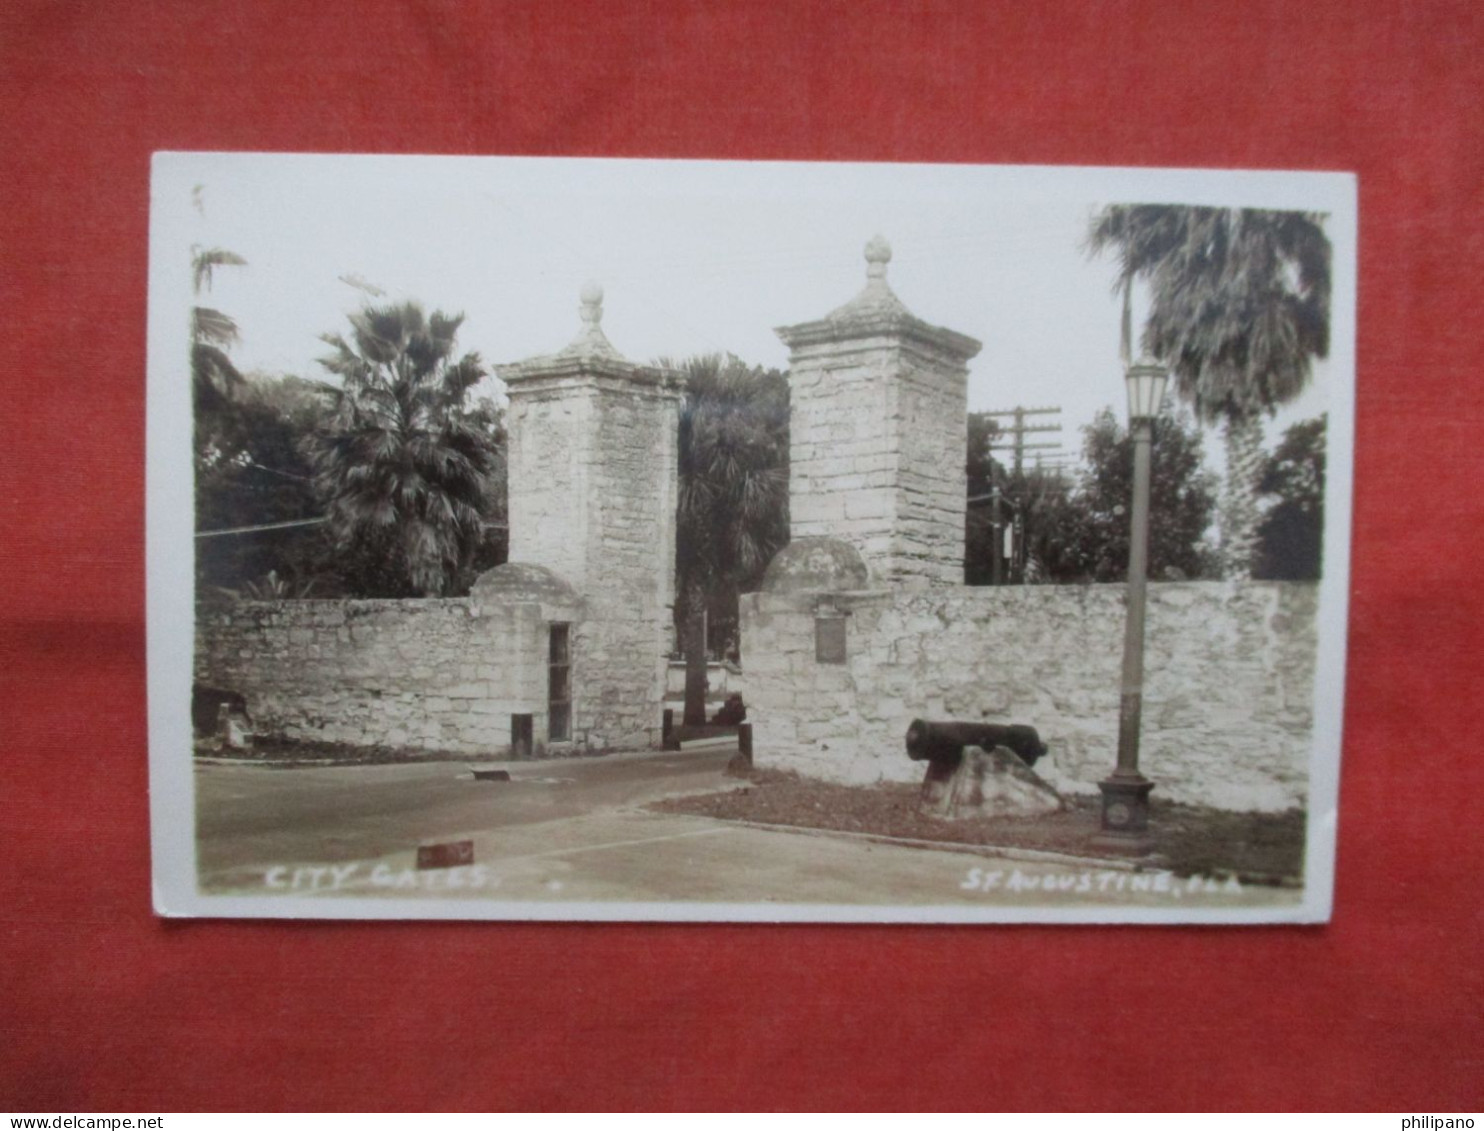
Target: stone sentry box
[{"x": 542, "y": 610}]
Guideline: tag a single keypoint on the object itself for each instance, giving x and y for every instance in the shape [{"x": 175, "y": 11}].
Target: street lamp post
[{"x": 1125, "y": 823}]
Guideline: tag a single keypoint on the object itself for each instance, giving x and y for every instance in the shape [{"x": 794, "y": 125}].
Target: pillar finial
[
  {"x": 878, "y": 255},
  {"x": 592, "y": 304},
  {"x": 590, "y": 340}
]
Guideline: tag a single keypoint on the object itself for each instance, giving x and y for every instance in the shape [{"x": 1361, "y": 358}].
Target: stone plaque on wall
[{"x": 829, "y": 639}]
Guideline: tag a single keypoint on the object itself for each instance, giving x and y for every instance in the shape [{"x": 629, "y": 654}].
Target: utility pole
[
  {"x": 1019, "y": 430},
  {"x": 997, "y": 529},
  {"x": 996, "y": 565}
]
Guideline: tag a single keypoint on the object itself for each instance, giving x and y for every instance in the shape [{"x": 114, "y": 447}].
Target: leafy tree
[
  {"x": 253, "y": 469},
  {"x": 1053, "y": 528},
  {"x": 733, "y": 499},
  {"x": 981, "y": 469},
  {"x": 1181, "y": 500},
  {"x": 1239, "y": 310},
  {"x": 1291, "y": 536},
  {"x": 493, "y": 548},
  {"x": 409, "y": 473},
  {"x": 1076, "y": 530},
  {"x": 1041, "y": 506}
]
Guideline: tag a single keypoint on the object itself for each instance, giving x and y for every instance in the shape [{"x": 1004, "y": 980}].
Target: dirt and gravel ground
[{"x": 1191, "y": 839}]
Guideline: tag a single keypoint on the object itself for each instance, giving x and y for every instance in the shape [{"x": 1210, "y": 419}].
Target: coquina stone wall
[
  {"x": 1228, "y": 695},
  {"x": 629, "y": 584},
  {"x": 876, "y": 456},
  {"x": 595, "y": 460},
  {"x": 430, "y": 674}
]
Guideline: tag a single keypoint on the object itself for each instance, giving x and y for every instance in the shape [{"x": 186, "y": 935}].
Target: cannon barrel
[{"x": 945, "y": 741}]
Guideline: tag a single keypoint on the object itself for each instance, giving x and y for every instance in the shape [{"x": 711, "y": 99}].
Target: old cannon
[
  {"x": 945, "y": 741},
  {"x": 997, "y": 780}
]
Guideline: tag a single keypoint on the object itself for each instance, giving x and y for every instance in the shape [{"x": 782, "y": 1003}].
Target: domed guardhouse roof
[
  {"x": 816, "y": 563},
  {"x": 517, "y": 581}
]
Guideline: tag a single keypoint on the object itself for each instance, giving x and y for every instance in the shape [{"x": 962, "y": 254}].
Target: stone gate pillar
[
  {"x": 879, "y": 431},
  {"x": 592, "y": 482}
]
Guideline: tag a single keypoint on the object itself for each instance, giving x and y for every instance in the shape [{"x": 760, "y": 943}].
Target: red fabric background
[{"x": 103, "y": 1006}]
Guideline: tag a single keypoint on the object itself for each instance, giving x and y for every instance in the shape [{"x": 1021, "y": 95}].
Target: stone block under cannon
[{"x": 980, "y": 769}]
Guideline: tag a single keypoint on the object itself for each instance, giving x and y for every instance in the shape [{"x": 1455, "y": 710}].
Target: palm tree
[
  {"x": 406, "y": 472},
  {"x": 733, "y": 500},
  {"x": 214, "y": 379},
  {"x": 1239, "y": 311}
]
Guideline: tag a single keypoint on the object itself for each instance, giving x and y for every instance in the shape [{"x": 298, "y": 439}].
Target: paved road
[
  {"x": 254, "y": 814},
  {"x": 576, "y": 832}
]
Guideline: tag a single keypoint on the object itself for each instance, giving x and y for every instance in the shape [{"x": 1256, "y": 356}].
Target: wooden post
[{"x": 741, "y": 764}]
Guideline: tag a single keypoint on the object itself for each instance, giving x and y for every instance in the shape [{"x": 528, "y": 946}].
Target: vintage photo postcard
[{"x": 678, "y": 540}]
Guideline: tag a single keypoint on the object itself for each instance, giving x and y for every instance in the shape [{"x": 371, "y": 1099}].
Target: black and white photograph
[{"x": 539, "y": 538}]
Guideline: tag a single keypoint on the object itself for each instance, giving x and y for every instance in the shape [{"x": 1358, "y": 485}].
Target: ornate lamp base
[{"x": 1125, "y": 815}]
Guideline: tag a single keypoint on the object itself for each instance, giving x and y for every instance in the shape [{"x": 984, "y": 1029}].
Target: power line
[
  {"x": 299, "y": 522},
  {"x": 1020, "y": 429},
  {"x": 1019, "y": 447},
  {"x": 263, "y": 526}
]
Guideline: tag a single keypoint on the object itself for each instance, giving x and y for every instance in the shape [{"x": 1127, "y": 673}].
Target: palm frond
[
  {"x": 1239, "y": 298},
  {"x": 215, "y": 380},
  {"x": 212, "y": 326},
  {"x": 399, "y": 455},
  {"x": 206, "y": 260}
]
